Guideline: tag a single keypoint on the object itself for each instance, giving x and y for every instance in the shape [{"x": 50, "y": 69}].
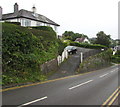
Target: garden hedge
[{"x": 24, "y": 50}]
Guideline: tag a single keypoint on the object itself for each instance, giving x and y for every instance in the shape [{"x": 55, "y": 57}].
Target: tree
[
  {"x": 92, "y": 40},
  {"x": 117, "y": 41},
  {"x": 113, "y": 43},
  {"x": 70, "y": 35},
  {"x": 103, "y": 39}
]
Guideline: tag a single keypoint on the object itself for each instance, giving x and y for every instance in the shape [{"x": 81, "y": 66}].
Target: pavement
[{"x": 93, "y": 88}]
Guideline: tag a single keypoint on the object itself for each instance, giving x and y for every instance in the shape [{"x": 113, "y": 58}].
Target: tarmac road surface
[{"x": 93, "y": 88}]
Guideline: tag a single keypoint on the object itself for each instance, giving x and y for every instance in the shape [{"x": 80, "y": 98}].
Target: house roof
[
  {"x": 29, "y": 15},
  {"x": 80, "y": 39}
]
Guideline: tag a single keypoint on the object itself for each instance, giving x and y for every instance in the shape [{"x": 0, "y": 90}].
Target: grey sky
[{"x": 81, "y": 16}]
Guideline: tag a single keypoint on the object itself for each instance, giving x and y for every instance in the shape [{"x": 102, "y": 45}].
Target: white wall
[
  {"x": 12, "y": 20},
  {"x": 32, "y": 23},
  {"x": 86, "y": 40},
  {"x": 54, "y": 27},
  {"x": 61, "y": 58}
]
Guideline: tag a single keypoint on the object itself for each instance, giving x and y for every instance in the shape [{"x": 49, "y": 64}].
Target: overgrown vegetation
[
  {"x": 44, "y": 28},
  {"x": 116, "y": 57},
  {"x": 70, "y": 35},
  {"x": 103, "y": 39},
  {"x": 95, "y": 62},
  {"x": 24, "y": 50},
  {"x": 16, "y": 23}
]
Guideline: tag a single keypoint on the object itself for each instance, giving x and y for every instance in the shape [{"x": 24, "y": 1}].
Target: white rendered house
[
  {"x": 27, "y": 18},
  {"x": 82, "y": 40}
]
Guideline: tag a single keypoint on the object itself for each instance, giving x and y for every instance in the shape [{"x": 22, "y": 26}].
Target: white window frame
[{"x": 27, "y": 22}]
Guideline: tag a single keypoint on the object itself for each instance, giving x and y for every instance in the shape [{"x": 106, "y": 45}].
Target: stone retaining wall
[{"x": 49, "y": 66}]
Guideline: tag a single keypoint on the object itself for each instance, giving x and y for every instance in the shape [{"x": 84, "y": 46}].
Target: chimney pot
[
  {"x": 34, "y": 9},
  {"x": 0, "y": 12},
  {"x": 15, "y": 8}
]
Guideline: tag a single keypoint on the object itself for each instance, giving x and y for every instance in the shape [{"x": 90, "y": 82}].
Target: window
[
  {"x": 27, "y": 22},
  {"x": 39, "y": 23},
  {"x": 55, "y": 27},
  {"x": 48, "y": 24},
  {"x": 22, "y": 22}
]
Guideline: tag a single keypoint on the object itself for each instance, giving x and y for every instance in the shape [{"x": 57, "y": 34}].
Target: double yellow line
[
  {"x": 62, "y": 78},
  {"x": 112, "y": 98},
  {"x": 33, "y": 84}
]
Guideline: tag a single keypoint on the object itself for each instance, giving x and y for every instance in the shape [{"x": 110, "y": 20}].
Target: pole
[{"x": 81, "y": 56}]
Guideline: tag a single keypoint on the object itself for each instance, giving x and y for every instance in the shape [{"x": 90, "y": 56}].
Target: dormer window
[{"x": 35, "y": 15}]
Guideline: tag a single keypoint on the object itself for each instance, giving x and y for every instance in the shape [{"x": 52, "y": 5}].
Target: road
[{"x": 92, "y": 88}]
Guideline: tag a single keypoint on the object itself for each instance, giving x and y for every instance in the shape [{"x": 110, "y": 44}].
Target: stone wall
[
  {"x": 90, "y": 53},
  {"x": 49, "y": 66},
  {"x": 53, "y": 64},
  {"x": 95, "y": 62}
]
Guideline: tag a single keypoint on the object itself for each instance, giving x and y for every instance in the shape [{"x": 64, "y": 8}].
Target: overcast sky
[{"x": 80, "y": 16}]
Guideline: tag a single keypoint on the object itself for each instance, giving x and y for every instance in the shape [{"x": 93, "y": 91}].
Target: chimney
[
  {"x": 0, "y": 12},
  {"x": 15, "y": 8},
  {"x": 34, "y": 9}
]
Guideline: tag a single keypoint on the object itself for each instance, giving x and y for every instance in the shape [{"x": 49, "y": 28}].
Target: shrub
[
  {"x": 86, "y": 45},
  {"x": 61, "y": 47},
  {"x": 24, "y": 50},
  {"x": 97, "y": 61},
  {"x": 116, "y": 58},
  {"x": 16, "y": 23},
  {"x": 45, "y": 28}
]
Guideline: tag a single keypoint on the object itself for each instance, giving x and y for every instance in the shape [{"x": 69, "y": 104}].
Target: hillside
[{"x": 24, "y": 50}]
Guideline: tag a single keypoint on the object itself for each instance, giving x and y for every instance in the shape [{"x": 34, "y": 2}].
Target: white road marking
[
  {"x": 33, "y": 101},
  {"x": 80, "y": 84},
  {"x": 115, "y": 70},
  {"x": 104, "y": 75}
]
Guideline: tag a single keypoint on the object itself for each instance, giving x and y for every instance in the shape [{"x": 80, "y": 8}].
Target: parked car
[{"x": 71, "y": 49}]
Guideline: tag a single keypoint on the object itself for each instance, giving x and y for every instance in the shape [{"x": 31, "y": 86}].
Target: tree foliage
[
  {"x": 117, "y": 41},
  {"x": 70, "y": 35},
  {"x": 103, "y": 39}
]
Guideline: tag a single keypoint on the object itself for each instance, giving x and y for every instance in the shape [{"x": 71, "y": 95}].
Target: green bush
[
  {"x": 24, "y": 50},
  {"x": 97, "y": 61},
  {"x": 16, "y": 23},
  {"x": 61, "y": 47},
  {"x": 45, "y": 28},
  {"x": 86, "y": 45},
  {"x": 116, "y": 58}
]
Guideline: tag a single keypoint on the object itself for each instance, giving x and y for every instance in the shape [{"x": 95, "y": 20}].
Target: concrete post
[
  {"x": 81, "y": 56},
  {"x": 0, "y": 13}
]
